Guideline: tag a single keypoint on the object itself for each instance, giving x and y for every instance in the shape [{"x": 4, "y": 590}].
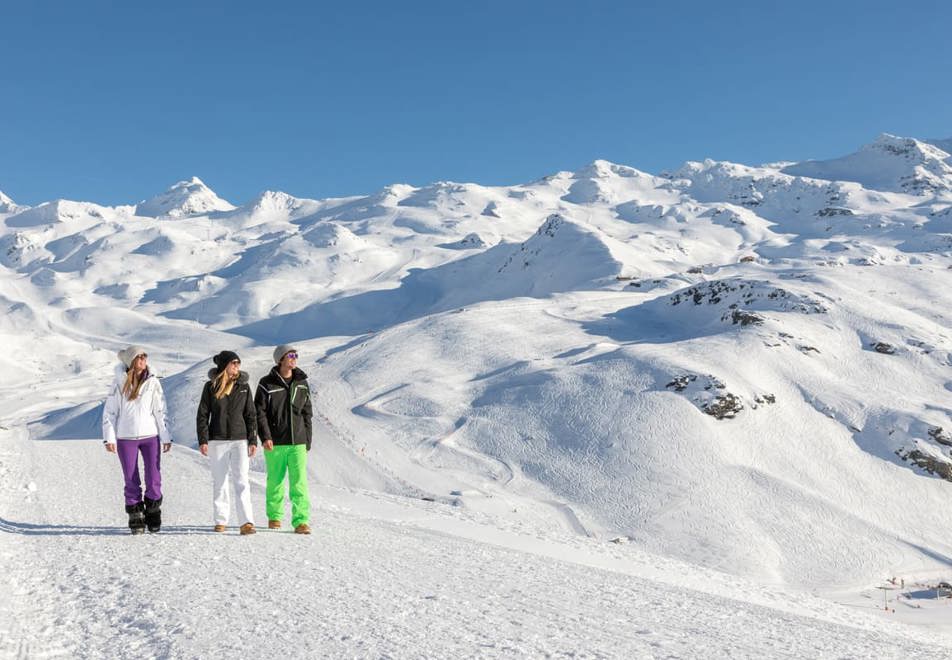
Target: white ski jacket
[{"x": 142, "y": 417}]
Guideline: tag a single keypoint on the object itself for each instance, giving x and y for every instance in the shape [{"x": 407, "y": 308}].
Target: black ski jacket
[
  {"x": 284, "y": 409},
  {"x": 231, "y": 417}
]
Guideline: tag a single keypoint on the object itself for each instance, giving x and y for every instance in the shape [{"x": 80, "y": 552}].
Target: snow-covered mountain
[
  {"x": 890, "y": 163},
  {"x": 185, "y": 198},
  {"x": 6, "y": 204},
  {"x": 742, "y": 369}
]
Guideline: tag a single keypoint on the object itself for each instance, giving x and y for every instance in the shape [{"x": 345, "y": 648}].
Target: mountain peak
[
  {"x": 889, "y": 163},
  {"x": 604, "y": 169},
  {"x": 909, "y": 148},
  {"x": 185, "y": 198},
  {"x": 274, "y": 199},
  {"x": 6, "y": 204}
]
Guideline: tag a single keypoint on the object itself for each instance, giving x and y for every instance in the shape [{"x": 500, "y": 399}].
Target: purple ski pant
[{"x": 128, "y": 451}]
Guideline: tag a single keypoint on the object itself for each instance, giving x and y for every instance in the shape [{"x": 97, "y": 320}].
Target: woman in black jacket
[{"x": 227, "y": 433}]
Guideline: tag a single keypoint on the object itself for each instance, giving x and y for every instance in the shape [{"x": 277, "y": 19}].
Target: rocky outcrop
[{"x": 709, "y": 394}]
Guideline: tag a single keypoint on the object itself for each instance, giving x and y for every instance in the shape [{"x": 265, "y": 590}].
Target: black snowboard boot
[
  {"x": 136, "y": 518},
  {"x": 153, "y": 514}
]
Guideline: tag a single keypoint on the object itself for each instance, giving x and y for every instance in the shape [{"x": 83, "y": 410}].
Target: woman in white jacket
[{"x": 133, "y": 423}]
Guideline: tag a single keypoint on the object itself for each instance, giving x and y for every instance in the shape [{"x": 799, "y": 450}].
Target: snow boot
[
  {"x": 153, "y": 514},
  {"x": 136, "y": 518}
]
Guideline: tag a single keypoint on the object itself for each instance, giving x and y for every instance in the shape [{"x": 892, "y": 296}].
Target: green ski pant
[{"x": 290, "y": 461}]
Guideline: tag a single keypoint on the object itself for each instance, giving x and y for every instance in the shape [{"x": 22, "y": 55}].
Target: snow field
[{"x": 742, "y": 375}]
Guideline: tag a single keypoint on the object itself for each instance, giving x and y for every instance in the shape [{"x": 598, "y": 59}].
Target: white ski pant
[{"x": 229, "y": 459}]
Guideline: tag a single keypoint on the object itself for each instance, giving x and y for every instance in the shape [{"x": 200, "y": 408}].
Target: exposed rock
[
  {"x": 709, "y": 394},
  {"x": 714, "y": 383},
  {"x": 941, "y": 436},
  {"x": 680, "y": 383},
  {"x": 736, "y": 292},
  {"x": 725, "y": 406},
  {"x": 832, "y": 211},
  {"x": 884, "y": 348},
  {"x": 744, "y": 318},
  {"x": 930, "y": 464}
]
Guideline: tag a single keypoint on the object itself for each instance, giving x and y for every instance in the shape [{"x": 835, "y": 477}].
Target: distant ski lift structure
[{"x": 886, "y": 589}]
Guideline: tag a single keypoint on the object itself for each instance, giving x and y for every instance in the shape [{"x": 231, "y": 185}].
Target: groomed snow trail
[{"x": 380, "y": 577}]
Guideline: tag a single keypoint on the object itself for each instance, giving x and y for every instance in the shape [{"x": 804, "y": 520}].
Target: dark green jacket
[
  {"x": 284, "y": 409},
  {"x": 231, "y": 417}
]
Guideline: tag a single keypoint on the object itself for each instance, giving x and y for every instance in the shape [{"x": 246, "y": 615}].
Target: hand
[
  {"x": 111, "y": 447},
  {"x": 204, "y": 449},
  {"x": 166, "y": 447},
  {"x": 268, "y": 445},
  {"x": 252, "y": 449}
]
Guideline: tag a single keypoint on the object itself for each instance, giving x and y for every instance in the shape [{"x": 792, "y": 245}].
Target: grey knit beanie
[
  {"x": 283, "y": 350},
  {"x": 127, "y": 355}
]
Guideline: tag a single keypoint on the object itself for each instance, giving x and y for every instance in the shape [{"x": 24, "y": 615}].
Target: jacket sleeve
[
  {"x": 307, "y": 413},
  {"x": 159, "y": 414},
  {"x": 261, "y": 406},
  {"x": 204, "y": 410},
  {"x": 110, "y": 415},
  {"x": 251, "y": 419}
]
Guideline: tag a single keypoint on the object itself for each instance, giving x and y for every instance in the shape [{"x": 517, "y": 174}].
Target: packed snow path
[{"x": 380, "y": 577}]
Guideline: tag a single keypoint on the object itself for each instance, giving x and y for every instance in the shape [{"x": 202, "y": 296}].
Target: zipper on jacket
[{"x": 291, "y": 409}]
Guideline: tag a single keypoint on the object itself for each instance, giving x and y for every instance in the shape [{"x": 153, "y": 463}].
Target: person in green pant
[{"x": 283, "y": 403}]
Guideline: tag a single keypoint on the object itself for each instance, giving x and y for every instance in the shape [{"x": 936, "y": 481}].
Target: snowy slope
[
  {"x": 383, "y": 577},
  {"x": 741, "y": 374},
  {"x": 889, "y": 163}
]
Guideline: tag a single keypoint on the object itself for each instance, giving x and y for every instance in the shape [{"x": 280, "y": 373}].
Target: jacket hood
[
  {"x": 243, "y": 376},
  {"x": 296, "y": 374}
]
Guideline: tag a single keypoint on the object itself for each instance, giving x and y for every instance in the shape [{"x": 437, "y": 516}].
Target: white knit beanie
[{"x": 127, "y": 355}]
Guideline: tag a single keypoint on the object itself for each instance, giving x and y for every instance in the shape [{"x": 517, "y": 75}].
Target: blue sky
[{"x": 114, "y": 101}]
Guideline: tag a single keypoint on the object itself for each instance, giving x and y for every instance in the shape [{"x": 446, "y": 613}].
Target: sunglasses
[
  {"x": 235, "y": 362},
  {"x": 291, "y": 356}
]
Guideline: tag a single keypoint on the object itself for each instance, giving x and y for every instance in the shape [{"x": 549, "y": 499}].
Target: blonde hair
[
  {"x": 222, "y": 384},
  {"x": 133, "y": 384}
]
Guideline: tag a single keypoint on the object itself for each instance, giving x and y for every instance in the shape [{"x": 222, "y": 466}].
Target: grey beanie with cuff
[{"x": 283, "y": 350}]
